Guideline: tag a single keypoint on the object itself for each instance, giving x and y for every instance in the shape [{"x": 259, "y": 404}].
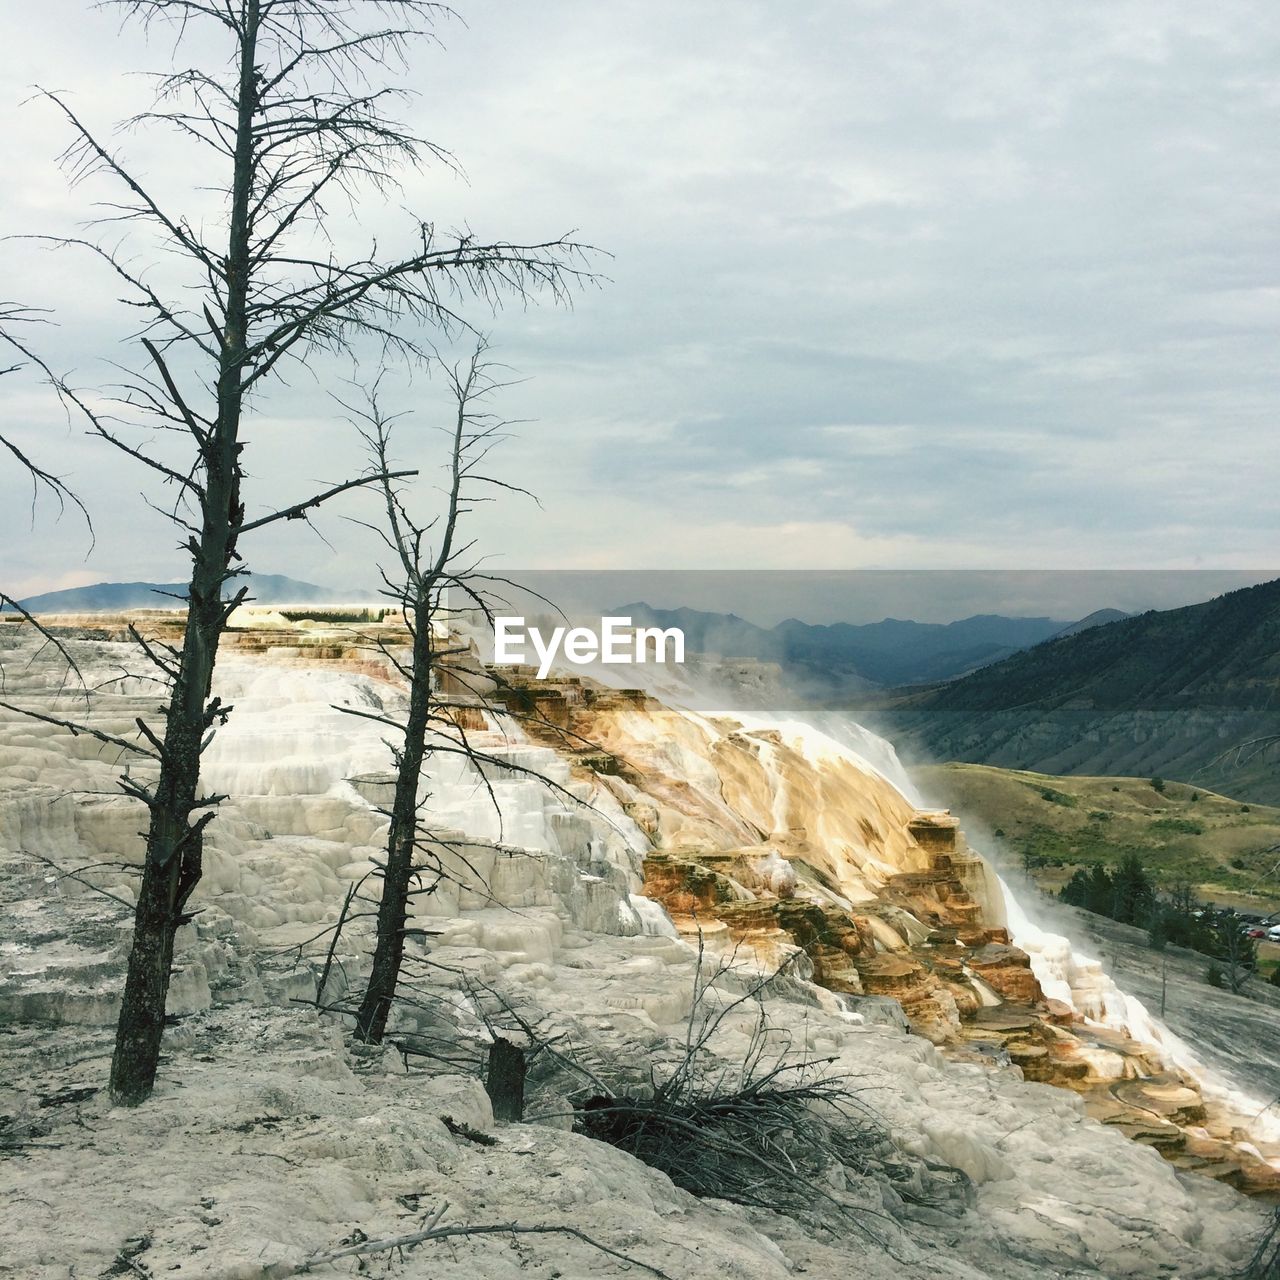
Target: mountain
[
  {"x": 107, "y": 597},
  {"x": 1098, "y": 618},
  {"x": 1190, "y": 693},
  {"x": 842, "y": 654}
]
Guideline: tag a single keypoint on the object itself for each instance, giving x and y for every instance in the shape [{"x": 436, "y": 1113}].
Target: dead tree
[
  {"x": 434, "y": 581},
  {"x": 285, "y": 100},
  {"x": 1237, "y": 952},
  {"x": 420, "y": 583}
]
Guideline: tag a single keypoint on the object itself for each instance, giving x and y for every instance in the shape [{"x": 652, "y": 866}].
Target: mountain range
[
  {"x": 853, "y": 656},
  {"x": 107, "y": 597},
  {"x": 1191, "y": 694}
]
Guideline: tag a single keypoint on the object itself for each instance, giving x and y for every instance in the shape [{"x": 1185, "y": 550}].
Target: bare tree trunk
[
  {"x": 504, "y": 1081},
  {"x": 175, "y": 846},
  {"x": 174, "y": 853},
  {"x": 420, "y": 588},
  {"x": 422, "y": 583},
  {"x": 402, "y": 842},
  {"x": 142, "y": 1012}
]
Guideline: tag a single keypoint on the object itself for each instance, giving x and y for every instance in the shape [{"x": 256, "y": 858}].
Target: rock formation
[
  {"x": 667, "y": 832},
  {"x": 883, "y": 900}
]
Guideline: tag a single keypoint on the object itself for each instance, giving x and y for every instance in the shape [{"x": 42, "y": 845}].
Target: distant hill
[
  {"x": 1098, "y": 618},
  {"x": 853, "y": 656},
  {"x": 1181, "y": 693},
  {"x": 108, "y": 597},
  {"x": 1054, "y": 824}
]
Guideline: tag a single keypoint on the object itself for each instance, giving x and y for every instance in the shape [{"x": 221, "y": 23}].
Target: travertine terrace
[{"x": 1091, "y": 1141}]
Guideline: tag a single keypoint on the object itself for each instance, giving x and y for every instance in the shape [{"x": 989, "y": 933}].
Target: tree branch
[
  {"x": 299, "y": 509},
  {"x": 77, "y": 729},
  {"x": 434, "y": 1232}
]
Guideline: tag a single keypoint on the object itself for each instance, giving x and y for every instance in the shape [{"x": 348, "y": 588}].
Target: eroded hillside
[{"x": 270, "y": 1138}]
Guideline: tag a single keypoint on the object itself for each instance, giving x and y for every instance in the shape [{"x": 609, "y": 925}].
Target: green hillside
[
  {"x": 1229, "y": 851},
  {"x": 1192, "y": 694}
]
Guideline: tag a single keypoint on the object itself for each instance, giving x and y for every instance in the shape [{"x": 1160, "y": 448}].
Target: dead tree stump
[{"x": 504, "y": 1081}]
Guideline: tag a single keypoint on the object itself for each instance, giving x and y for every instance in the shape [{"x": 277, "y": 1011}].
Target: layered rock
[
  {"x": 768, "y": 840},
  {"x": 883, "y": 901}
]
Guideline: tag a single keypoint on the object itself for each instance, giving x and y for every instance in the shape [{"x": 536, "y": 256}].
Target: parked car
[
  {"x": 1273, "y": 934},
  {"x": 1255, "y": 932}
]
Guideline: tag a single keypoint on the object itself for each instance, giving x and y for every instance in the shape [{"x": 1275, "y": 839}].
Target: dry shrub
[
  {"x": 1265, "y": 1263},
  {"x": 766, "y": 1129}
]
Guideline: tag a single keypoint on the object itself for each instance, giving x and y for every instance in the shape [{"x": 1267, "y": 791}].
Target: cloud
[{"x": 898, "y": 283}]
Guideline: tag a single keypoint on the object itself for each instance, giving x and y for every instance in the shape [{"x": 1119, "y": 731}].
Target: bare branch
[
  {"x": 78, "y": 877},
  {"x": 94, "y": 151},
  {"x": 49, "y": 637},
  {"x": 76, "y": 729},
  {"x": 434, "y": 1232},
  {"x": 299, "y": 509},
  {"x": 39, "y": 476}
]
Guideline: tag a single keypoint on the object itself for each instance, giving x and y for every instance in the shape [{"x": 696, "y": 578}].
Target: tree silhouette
[{"x": 286, "y": 102}]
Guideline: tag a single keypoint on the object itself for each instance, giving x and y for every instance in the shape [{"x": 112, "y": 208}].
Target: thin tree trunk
[
  {"x": 174, "y": 857},
  {"x": 402, "y": 842}
]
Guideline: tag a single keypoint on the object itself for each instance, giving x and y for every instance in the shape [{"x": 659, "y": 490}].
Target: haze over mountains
[
  {"x": 852, "y": 656},
  {"x": 1191, "y": 694},
  {"x": 839, "y": 656},
  {"x": 106, "y": 597}
]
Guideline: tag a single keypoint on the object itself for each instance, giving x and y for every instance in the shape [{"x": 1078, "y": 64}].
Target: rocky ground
[
  {"x": 271, "y": 1140},
  {"x": 1237, "y": 1034}
]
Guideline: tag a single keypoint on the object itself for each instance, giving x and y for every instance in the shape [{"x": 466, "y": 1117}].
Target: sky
[
  {"x": 819, "y": 596},
  {"x": 892, "y": 285}
]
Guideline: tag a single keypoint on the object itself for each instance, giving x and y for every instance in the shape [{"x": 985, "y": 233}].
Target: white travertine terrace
[{"x": 543, "y": 899}]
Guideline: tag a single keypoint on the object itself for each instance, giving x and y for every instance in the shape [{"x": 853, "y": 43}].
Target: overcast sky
[{"x": 893, "y": 285}]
